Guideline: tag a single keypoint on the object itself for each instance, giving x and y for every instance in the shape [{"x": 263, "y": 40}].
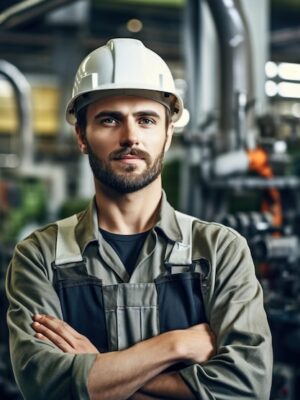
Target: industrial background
[{"x": 236, "y": 153}]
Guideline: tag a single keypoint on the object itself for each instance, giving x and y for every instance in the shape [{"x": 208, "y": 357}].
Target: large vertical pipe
[
  {"x": 192, "y": 32},
  {"x": 190, "y": 200},
  {"x": 234, "y": 68},
  {"x": 23, "y": 100},
  {"x": 257, "y": 23}
]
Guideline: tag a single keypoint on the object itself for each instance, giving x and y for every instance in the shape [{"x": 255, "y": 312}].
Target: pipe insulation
[
  {"x": 23, "y": 101},
  {"x": 27, "y": 10}
]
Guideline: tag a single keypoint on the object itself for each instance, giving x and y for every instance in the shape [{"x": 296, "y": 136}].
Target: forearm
[
  {"x": 168, "y": 386},
  {"x": 118, "y": 375}
]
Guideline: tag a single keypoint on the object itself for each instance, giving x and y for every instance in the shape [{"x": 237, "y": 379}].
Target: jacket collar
[
  {"x": 87, "y": 227},
  {"x": 167, "y": 221}
]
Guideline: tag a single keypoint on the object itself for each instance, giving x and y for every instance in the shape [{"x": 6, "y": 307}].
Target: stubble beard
[{"x": 125, "y": 181}]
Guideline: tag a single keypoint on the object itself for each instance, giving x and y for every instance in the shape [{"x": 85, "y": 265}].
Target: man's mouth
[
  {"x": 129, "y": 156},
  {"x": 129, "y": 159}
]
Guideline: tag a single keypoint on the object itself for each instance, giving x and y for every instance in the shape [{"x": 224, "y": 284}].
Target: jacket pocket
[
  {"x": 180, "y": 301},
  {"x": 81, "y": 299}
]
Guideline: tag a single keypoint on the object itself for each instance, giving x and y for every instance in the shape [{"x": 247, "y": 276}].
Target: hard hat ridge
[{"x": 123, "y": 67}]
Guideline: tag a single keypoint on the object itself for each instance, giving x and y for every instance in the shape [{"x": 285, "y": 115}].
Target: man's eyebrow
[
  {"x": 148, "y": 113},
  {"x": 119, "y": 115},
  {"x": 108, "y": 113}
]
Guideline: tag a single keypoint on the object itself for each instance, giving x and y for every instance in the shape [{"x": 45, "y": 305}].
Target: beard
[{"x": 125, "y": 181}]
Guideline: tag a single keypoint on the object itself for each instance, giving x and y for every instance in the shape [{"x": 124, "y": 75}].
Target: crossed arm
[{"x": 138, "y": 372}]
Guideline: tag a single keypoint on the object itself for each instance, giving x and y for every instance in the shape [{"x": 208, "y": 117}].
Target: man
[{"x": 130, "y": 299}]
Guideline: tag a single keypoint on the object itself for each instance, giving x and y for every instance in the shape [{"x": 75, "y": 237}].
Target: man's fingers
[
  {"x": 49, "y": 325},
  {"x": 203, "y": 328},
  {"x": 62, "y": 334},
  {"x": 40, "y": 336},
  {"x": 43, "y": 332},
  {"x": 59, "y": 326}
]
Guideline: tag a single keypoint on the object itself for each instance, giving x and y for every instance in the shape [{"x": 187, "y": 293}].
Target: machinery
[
  {"x": 244, "y": 173},
  {"x": 30, "y": 192}
]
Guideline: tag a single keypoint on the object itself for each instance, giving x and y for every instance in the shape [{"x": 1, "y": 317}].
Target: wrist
[{"x": 179, "y": 348}]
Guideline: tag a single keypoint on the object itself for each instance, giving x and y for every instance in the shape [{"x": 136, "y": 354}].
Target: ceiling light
[
  {"x": 271, "y": 88},
  {"x": 271, "y": 69},
  {"x": 134, "y": 25},
  {"x": 287, "y": 89},
  {"x": 290, "y": 72}
]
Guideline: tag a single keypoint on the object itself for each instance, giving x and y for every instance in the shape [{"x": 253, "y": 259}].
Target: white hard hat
[{"x": 123, "y": 67}]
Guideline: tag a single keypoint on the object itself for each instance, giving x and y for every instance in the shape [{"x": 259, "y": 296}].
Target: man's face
[{"x": 126, "y": 138}]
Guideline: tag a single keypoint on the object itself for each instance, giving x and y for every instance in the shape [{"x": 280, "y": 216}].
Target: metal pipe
[
  {"x": 234, "y": 72},
  {"x": 23, "y": 99},
  {"x": 190, "y": 198},
  {"x": 248, "y": 49},
  {"x": 27, "y": 10},
  {"x": 192, "y": 38}
]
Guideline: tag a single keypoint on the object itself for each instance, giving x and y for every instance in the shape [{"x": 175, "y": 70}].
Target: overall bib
[{"x": 116, "y": 316}]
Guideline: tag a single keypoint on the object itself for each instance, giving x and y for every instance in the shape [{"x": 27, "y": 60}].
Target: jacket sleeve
[
  {"x": 42, "y": 371},
  {"x": 242, "y": 367}
]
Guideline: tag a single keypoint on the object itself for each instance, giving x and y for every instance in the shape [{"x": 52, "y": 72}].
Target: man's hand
[
  {"x": 199, "y": 343},
  {"x": 61, "y": 334},
  {"x": 140, "y": 377}
]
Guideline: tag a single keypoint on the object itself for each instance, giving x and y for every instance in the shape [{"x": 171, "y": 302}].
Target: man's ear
[
  {"x": 81, "y": 140},
  {"x": 170, "y": 131}
]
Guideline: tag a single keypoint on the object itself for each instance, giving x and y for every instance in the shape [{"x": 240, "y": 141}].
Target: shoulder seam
[{"x": 221, "y": 226}]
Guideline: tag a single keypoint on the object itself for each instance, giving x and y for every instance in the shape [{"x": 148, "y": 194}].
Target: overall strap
[
  {"x": 181, "y": 253},
  {"x": 67, "y": 248}
]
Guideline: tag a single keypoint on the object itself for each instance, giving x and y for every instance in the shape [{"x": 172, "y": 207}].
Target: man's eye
[
  {"x": 147, "y": 121},
  {"x": 108, "y": 121}
]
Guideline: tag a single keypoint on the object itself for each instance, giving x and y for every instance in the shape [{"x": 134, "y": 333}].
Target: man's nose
[{"x": 129, "y": 134}]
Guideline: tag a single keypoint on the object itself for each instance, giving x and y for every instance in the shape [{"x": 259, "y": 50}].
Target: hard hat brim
[{"x": 170, "y": 100}]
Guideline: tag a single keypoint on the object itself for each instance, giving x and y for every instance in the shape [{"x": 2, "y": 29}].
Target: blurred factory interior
[{"x": 236, "y": 153}]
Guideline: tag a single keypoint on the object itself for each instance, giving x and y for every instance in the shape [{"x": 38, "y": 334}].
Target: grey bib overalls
[{"x": 116, "y": 316}]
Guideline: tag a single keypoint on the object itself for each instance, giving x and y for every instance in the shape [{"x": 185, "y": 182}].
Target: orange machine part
[{"x": 259, "y": 163}]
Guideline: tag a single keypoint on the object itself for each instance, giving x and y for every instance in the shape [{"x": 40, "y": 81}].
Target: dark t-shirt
[{"x": 127, "y": 247}]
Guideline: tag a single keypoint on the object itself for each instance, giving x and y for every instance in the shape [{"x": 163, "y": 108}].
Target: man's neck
[{"x": 128, "y": 213}]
